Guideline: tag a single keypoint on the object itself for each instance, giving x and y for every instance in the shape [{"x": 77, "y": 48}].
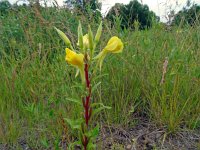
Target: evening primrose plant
[{"x": 87, "y": 65}]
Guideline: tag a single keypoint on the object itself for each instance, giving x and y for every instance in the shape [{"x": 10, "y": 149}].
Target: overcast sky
[{"x": 160, "y": 7}]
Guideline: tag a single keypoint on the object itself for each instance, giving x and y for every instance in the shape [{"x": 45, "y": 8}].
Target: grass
[{"x": 36, "y": 83}]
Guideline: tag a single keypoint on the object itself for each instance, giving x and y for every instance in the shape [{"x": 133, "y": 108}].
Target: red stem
[
  {"x": 86, "y": 103},
  {"x": 87, "y": 76},
  {"x": 85, "y": 142},
  {"x": 87, "y": 100}
]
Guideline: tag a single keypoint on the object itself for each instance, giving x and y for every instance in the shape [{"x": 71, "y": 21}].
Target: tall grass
[{"x": 36, "y": 83}]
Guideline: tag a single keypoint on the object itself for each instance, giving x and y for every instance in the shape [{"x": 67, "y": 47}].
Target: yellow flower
[
  {"x": 85, "y": 41},
  {"x": 114, "y": 45},
  {"x": 77, "y": 60}
]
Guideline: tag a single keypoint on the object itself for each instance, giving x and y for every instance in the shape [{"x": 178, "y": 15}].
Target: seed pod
[
  {"x": 63, "y": 36},
  {"x": 98, "y": 34},
  {"x": 90, "y": 36},
  {"x": 80, "y": 36}
]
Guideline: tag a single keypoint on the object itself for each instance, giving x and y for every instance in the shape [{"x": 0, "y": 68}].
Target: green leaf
[
  {"x": 95, "y": 86},
  {"x": 100, "y": 76},
  {"x": 56, "y": 144},
  {"x": 101, "y": 105},
  {"x": 99, "y": 109},
  {"x": 91, "y": 146},
  {"x": 74, "y": 101},
  {"x": 93, "y": 133},
  {"x": 51, "y": 113},
  {"x": 45, "y": 143},
  {"x": 30, "y": 107},
  {"x": 74, "y": 124},
  {"x": 71, "y": 145}
]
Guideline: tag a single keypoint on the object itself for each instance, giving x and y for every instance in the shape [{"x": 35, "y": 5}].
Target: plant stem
[
  {"x": 86, "y": 103},
  {"x": 87, "y": 99}
]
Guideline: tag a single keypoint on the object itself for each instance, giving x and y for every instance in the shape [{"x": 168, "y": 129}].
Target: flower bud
[
  {"x": 98, "y": 34},
  {"x": 64, "y": 37},
  {"x": 80, "y": 36},
  {"x": 90, "y": 37},
  {"x": 86, "y": 41}
]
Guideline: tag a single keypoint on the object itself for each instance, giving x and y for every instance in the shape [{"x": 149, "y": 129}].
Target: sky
[{"x": 160, "y": 7}]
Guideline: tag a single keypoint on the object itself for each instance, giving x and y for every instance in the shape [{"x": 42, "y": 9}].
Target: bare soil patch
[
  {"x": 146, "y": 136},
  {"x": 143, "y": 136}
]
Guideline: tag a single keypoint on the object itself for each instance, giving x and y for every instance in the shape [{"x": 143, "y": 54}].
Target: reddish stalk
[{"x": 86, "y": 103}]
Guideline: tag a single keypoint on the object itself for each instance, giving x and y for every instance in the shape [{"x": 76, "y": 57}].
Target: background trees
[
  {"x": 84, "y": 5},
  {"x": 187, "y": 15},
  {"x": 134, "y": 11},
  {"x": 91, "y": 8},
  {"x": 4, "y": 7}
]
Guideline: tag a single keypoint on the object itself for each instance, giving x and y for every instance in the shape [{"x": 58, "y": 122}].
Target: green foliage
[
  {"x": 91, "y": 8},
  {"x": 187, "y": 16},
  {"x": 83, "y": 4},
  {"x": 134, "y": 11},
  {"x": 4, "y": 7},
  {"x": 36, "y": 84}
]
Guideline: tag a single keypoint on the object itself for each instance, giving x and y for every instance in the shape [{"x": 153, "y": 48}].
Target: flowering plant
[{"x": 83, "y": 61}]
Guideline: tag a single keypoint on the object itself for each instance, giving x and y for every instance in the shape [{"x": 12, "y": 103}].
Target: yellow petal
[
  {"x": 114, "y": 45},
  {"x": 74, "y": 58},
  {"x": 77, "y": 60}
]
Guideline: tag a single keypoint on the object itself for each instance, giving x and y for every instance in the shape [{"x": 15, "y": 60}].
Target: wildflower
[
  {"x": 77, "y": 60},
  {"x": 114, "y": 45}
]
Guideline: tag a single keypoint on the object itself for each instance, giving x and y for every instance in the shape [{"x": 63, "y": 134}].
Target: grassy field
[{"x": 36, "y": 83}]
